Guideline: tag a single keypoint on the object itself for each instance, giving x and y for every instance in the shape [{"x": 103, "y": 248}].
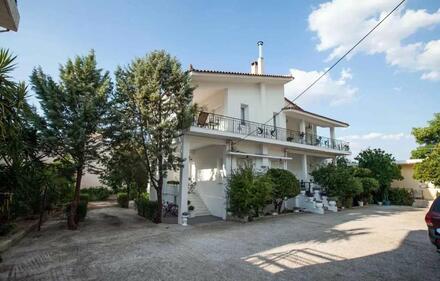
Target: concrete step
[{"x": 200, "y": 208}]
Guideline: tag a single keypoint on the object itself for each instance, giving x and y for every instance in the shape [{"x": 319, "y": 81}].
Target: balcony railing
[{"x": 234, "y": 125}]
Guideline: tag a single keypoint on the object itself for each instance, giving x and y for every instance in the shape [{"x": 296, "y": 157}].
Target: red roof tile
[{"x": 192, "y": 69}]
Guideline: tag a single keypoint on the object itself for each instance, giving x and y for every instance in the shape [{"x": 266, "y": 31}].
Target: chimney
[
  {"x": 254, "y": 67},
  {"x": 260, "y": 65}
]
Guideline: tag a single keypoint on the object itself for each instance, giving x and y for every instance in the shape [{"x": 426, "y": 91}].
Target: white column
[
  {"x": 265, "y": 160},
  {"x": 332, "y": 136},
  {"x": 184, "y": 175},
  {"x": 285, "y": 161},
  {"x": 305, "y": 172},
  {"x": 302, "y": 129}
]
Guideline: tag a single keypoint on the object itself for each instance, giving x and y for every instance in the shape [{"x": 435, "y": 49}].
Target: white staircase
[{"x": 200, "y": 208}]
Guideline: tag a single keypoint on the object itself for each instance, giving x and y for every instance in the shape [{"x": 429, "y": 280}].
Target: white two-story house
[{"x": 236, "y": 126}]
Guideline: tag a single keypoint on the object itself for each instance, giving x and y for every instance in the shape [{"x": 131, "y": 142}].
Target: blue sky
[{"x": 389, "y": 85}]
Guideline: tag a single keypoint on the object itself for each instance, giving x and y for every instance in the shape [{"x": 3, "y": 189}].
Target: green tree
[
  {"x": 284, "y": 185},
  {"x": 248, "y": 192},
  {"x": 429, "y": 150},
  {"x": 72, "y": 112},
  {"x": 123, "y": 170},
  {"x": 151, "y": 108},
  {"x": 20, "y": 158},
  {"x": 383, "y": 168},
  {"x": 427, "y": 137},
  {"x": 369, "y": 184},
  {"x": 338, "y": 180},
  {"x": 429, "y": 169}
]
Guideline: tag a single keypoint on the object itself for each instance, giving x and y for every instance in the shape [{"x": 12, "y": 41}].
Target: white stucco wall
[
  {"x": 294, "y": 165},
  {"x": 261, "y": 108},
  {"x": 208, "y": 163}
]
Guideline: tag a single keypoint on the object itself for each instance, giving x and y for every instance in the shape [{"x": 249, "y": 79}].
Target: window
[
  {"x": 244, "y": 113},
  {"x": 275, "y": 116}
]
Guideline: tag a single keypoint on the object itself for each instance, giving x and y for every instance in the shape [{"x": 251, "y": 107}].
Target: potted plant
[
  {"x": 190, "y": 210},
  {"x": 185, "y": 216}
]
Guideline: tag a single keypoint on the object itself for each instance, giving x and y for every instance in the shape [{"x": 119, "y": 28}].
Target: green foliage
[
  {"x": 82, "y": 210},
  {"x": 145, "y": 207},
  {"x": 73, "y": 110},
  {"x": 84, "y": 197},
  {"x": 338, "y": 180},
  {"x": 429, "y": 150},
  {"x": 369, "y": 184},
  {"x": 96, "y": 193},
  {"x": 21, "y": 170},
  {"x": 248, "y": 192},
  {"x": 124, "y": 170},
  {"x": 427, "y": 137},
  {"x": 149, "y": 110},
  {"x": 284, "y": 185},
  {"x": 261, "y": 194},
  {"x": 6, "y": 228},
  {"x": 383, "y": 169},
  {"x": 401, "y": 196},
  {"x": 429, "y": 169},
  {"x": 123, "y": 199}
]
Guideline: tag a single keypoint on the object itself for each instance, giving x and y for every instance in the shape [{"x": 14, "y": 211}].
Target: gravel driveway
[{"x": 374, "y": 243}]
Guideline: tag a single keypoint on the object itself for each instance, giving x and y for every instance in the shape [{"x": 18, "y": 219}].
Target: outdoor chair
[{"x": 201, "y": 120}]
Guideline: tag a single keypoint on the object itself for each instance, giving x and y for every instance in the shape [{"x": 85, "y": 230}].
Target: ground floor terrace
[
  {"x": 372, "y": 243},
  {"x": 202, "y": 182}
]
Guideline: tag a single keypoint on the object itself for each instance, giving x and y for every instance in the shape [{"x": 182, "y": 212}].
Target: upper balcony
[{"x": 228, "y": 124}]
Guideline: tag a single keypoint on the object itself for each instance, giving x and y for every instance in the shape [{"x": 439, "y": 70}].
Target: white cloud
[
  {"x": 328, "y": 90},
  {"x": 341, "y": 23},
  {"x": 400, "y": 144},
  {"x": 375, "y": 136}
]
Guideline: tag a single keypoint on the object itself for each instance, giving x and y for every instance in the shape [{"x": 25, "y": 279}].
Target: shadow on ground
[{"x": 115, "y": 244}]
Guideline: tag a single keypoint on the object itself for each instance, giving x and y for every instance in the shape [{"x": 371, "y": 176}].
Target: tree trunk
[
  {"x": 43, "y": 206},
  {"x": 158, "y": 218},
  {"x": 72, "y": 218}
]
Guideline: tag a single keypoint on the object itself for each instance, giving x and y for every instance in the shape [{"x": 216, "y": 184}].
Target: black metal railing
[{"x": 234, "y": 125}]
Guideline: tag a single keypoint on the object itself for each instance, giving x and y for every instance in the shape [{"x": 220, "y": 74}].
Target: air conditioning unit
[{"x": 9, "y": 16}]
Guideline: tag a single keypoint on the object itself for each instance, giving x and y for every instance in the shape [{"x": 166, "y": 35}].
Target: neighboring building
[
  {"x": 9, "y": 16},
  {"x": 421, "y": 190},
  {"x": 236, "y": 106}
]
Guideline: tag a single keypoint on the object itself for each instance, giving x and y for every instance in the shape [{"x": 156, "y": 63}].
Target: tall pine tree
[
  {"x": 73, "y": 111},
  {"x": 150, "y": 109}
]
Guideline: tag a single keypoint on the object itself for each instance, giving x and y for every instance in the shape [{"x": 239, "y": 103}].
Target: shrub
[
  {"x": 97, "y": 193},
  {"x": 284, "y": 184},
  {"x": 145, "y": 207},
  {"x": 338, "y": 180},
  {"x": 84, "y": 197},
  {"x": 400, "y": 196},
  {"x": 81, "y": 210},
  {"x": 261, "y": 194},
  {"x": 123, "y": 199},
  {"x": 369, "y": 185},
  {"x": 6, "y": 228},
  {"x": 248, "y": 192},
  {"x": 348, "y": 202}
]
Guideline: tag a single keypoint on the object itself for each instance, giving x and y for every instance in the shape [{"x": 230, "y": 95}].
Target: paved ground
[{"x": 376, "y": 243}]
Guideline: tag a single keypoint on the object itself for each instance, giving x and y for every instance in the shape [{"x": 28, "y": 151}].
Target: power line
[{"x": 329, "y": 69}]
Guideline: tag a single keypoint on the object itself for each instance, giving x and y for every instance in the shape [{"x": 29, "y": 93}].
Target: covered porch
[{"x": 208, "y": 162}]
